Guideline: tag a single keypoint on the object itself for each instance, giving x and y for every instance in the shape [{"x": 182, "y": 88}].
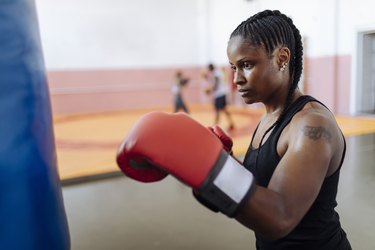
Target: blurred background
[
  {"x": 110, "y": 55},
  {"x": 110, "y": 61}
]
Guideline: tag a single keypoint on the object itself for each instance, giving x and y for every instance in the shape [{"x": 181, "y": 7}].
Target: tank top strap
[
  {"x": 291, "y": 111},
  {"x": 252, "y": 137}
]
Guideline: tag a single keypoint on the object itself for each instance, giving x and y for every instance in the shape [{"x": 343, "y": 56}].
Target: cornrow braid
[{"x": 271, "y": 29}]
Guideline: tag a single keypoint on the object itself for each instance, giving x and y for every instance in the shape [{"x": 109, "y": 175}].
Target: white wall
[
  {"x": 314, "y": 19},
  {"x": 119, "y": 33},
  {"x": 158, "y": 33},
  {"x": 329, "y": 26}
]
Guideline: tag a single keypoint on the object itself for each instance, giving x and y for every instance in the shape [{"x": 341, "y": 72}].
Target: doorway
[{"x": 366, "y": 74}]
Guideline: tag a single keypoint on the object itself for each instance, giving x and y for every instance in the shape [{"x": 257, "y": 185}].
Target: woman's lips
[{"x": 244, "y": 92}]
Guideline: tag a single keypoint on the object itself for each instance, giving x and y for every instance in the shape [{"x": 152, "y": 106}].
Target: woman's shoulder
[
  {"x": 316, "y": 117},
  {"x": 314, "y": 111},
  {"x": 318, "y": 127}
]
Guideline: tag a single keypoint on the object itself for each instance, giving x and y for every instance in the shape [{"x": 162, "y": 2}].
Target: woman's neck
[{"x": 276, "y": 108}]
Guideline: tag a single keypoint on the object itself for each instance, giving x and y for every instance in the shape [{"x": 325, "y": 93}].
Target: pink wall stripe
[
  {"x": 109, "y": 90},
  {"x": 90, "y": 91},
  {"x": 328, "y": 79}
]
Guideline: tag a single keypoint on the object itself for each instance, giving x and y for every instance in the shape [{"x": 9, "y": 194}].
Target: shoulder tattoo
[{"x": 315, "y": 133}]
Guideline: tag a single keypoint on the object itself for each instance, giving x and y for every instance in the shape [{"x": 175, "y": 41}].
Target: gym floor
[{"x": 106, "y": 210}]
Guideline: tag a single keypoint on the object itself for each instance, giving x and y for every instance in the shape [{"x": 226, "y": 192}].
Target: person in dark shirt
[
  {"x": 297, "y": 149},
  {"x": 285, "y": 189}
]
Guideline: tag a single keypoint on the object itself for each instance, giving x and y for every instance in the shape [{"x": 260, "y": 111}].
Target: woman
[
  {"x": 285, "y": 190},
  {"x": 297, "y": 149}
]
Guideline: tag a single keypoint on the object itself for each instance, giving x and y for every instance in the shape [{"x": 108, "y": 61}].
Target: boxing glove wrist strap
[{"x": 228, "y": 186}]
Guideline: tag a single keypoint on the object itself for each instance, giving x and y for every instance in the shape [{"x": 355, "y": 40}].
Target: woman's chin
[{"x": 248, "y": 100}]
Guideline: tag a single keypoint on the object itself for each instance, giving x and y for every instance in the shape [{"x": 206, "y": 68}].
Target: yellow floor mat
[{"x": 86, "y": 144}]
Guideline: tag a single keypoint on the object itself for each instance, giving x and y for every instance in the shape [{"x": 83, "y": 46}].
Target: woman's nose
[{"x": 238, "y": 78}]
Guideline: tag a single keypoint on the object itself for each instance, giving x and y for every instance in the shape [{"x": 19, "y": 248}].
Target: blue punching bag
[{"x": 32, "y": 213}]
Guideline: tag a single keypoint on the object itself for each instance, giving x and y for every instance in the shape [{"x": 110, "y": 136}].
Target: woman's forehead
[{"x": 239, "y": 45}]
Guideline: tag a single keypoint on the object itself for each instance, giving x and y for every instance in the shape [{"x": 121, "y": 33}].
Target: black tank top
[{"x": 320, "y": 228}]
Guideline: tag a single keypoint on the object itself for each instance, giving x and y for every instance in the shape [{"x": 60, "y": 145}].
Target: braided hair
[{"x": 271, "y": 29}]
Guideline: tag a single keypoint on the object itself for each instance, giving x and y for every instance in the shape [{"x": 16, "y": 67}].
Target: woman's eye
[
  {"x": 233, "y": 68},
  {"x": 247, "y": 65}
]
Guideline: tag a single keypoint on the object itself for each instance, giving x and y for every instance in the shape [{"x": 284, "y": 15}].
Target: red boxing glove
[
  {"x": 224, "y": 138},
  {"x": 161, "y": 143}
]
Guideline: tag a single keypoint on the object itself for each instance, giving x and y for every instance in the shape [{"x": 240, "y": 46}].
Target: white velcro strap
[{"x": 234, "y": 180}]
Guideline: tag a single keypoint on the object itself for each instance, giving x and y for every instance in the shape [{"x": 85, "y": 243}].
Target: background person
[
  {"x": 180, "y": 82},
  {"x": 219, "y": 90}
]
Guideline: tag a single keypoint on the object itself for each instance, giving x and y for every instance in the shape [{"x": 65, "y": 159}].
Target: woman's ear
[{"x": 283, "y": 56}]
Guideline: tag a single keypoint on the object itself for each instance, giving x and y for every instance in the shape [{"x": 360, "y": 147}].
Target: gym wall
[{"x": 115, "y": 49}]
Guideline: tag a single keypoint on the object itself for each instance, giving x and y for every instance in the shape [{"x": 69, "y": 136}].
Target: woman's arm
[{"x": 276, "y": 210}]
